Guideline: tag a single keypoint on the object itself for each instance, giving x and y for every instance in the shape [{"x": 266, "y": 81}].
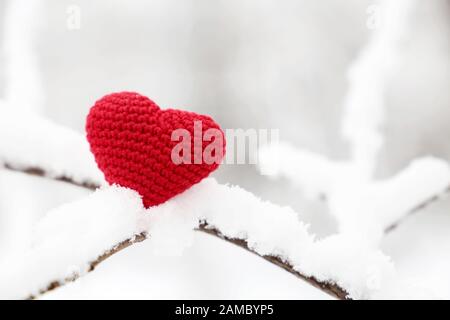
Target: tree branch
[
  {"x": 34, "y": 171},
  {"x": 329, "y": 288},
  {"x": 92, "y": 265},
  {"x": 418, "y": 208}
]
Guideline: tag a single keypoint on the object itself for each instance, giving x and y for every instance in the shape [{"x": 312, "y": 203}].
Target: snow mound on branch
[
  {"x": 70, "y": 237},
  {"x": 271, "y": 230},
  {"x": 30, "y": 141},
  {"x": 364, "y": 208}
]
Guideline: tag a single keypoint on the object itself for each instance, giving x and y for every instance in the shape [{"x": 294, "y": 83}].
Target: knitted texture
[{"x": 130, "y": 137}]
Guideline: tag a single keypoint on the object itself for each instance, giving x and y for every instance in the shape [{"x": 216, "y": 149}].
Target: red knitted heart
[{"x": 131, "y": 138}]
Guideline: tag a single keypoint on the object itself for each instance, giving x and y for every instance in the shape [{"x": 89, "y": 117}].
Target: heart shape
[{"x": 137, "y": 145}]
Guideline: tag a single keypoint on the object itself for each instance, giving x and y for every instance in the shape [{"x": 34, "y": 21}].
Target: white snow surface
[
  {"x": 71, "y": 236},
  {"x": 68, "y": 238},
  {"x": 31, "y": 141}
]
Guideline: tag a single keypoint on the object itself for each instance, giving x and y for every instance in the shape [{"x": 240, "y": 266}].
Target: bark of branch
[
  {"x": 330, "y": 288},
  {"x": 39, "y": 172},
  {"x": 92, "y": 265}
]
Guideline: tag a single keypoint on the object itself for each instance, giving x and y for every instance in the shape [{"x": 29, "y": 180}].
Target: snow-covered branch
[
  {"x": 379, "y": 203},
  {"x": 272, "y": 232},
  {"x": 74, "y": 274},
  {"x": 369, "y": 76},
  {"x": 71, "y": 240},
  {"x": 38, "y": 145}
]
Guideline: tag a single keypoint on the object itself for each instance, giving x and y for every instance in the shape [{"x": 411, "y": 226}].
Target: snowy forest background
[{"x": 248, "y": 64}]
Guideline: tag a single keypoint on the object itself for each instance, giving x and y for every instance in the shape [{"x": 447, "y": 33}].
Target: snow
[
  {"x": 95, "y": 224},
  {"x": 68, "y": 238},
  {"x": 209, "y": 269},
  {"x": 31, "y": 141},
  {"x": 359, "y": 206},
  {"x": 364, "y": 207},
  {"x": 313, "y": 173},
  {"x": 420, "y": 247},
  {"x": 368, "y": 78},
  {"x": 350, "y": 184},
  {"x": 25, "y": 200}
]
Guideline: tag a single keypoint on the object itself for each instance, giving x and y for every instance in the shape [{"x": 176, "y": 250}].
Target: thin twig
[
  {"x": 34, "y": 171},
  {"x": 329, "y": 288},
  {"x": 92, "y": 265}
]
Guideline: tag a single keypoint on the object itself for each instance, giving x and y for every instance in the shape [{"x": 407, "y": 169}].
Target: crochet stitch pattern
[{"x": 130, "y": 137}]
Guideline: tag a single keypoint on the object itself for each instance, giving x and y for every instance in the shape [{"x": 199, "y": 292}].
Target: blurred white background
[{"x": 248, "y": 64}]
